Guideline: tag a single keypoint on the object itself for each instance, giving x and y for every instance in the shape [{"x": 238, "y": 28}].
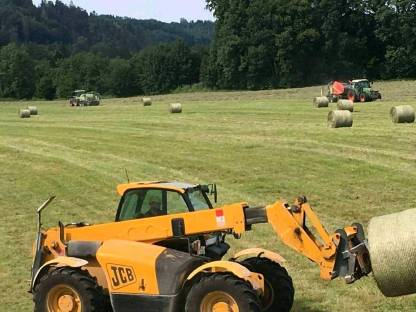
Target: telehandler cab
[{"x": 164, "y": 253}]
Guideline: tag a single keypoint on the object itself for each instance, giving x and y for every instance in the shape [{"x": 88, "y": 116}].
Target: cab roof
[
  {"x": 358, "y": 80},
  {"x": 180, "y": 187}
]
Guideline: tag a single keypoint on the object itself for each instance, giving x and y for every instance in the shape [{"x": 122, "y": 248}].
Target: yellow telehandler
[{"x": 165, "y": 250}]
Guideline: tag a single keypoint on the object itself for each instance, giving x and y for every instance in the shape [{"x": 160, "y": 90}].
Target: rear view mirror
[{"x": 213, "y": 191}]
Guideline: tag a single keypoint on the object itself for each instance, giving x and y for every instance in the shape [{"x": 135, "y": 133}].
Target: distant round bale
[
  {"x": 24, "y": 113},
  {"x": 392, "y": 247},
  {"x": 320, "y": 101},
  {"x": 402, "y": 114},
  {"x": 175, "y": 108},
  {"x": 345, "y": 105},
  {"x": 33, "y": 110},
  {"x": 339, "y": 119},
  {"x": 147, "y": 101}
]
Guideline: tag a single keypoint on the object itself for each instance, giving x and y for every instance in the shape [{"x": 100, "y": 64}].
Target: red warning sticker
[{"x": 219, "y": 214}]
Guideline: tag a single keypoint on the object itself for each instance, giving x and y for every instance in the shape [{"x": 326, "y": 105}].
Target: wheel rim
[
  {"x": 219, "y": 301},
  {"x": 362, "y": 98},
  {"x": 63, "y": 298},
  {"x": 351, "y": 97}
]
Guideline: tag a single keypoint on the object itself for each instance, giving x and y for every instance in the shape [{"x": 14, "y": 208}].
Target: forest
[{"x": 47, "y": 51}]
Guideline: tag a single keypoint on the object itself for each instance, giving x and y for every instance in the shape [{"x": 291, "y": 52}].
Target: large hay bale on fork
[{"x": 392, "y": 247}]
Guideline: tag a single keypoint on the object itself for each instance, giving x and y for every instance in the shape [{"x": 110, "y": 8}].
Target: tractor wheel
[
  {"x": 278, "y": 286},
  {"x": 222, "y": 292},
  {"x": 351, "y": 96},
  {"x": 69, "y": 290},
  {"x": 363, "y": 98}
]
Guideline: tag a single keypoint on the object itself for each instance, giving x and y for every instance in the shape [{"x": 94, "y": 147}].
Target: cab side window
[
  {"x": 176, "y": 203},
  {"x": 153, "y": 204},
  {"x": 131, "y": 205},
  {"x": 146, "y": 203}
]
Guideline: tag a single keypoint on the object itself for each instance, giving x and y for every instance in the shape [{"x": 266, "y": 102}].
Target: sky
[{"x": 162, "y": 10}]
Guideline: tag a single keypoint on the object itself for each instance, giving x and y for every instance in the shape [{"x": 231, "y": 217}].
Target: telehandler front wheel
[
  {"x": 220, "y": 292},
  {"x": 69, "y": 290},
  {"x": 278, "y": 286}
]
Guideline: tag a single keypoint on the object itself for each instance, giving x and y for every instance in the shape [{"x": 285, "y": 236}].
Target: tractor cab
[
  {"x": 150, "y": 199},
  {"x": 361, "y": 84},
  {"x": 77, "y": 93}
]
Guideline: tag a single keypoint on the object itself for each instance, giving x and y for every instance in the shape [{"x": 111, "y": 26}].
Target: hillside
[
  {"x": 257, "y": 146},
  {"x": 55, "y": 23}
]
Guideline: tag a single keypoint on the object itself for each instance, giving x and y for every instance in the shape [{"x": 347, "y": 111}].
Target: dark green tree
[
  {"x": 17, "y": 73},
  {"x": 45, "y": 86}
]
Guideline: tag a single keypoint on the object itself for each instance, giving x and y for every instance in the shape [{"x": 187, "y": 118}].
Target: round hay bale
[
  {"x": 146, "y": 101},
  {"x": 345, "y": 105},
  {"x": 24, "y": 113},
  {"x": 175, "y": 108},
  {"x": 339, "y": 119},
  {"x": 33, "y": 110},
  {"x": 392, "y": 247},
  {"x": 320, "y": 101},
  {"x": 402, "y": 114}
]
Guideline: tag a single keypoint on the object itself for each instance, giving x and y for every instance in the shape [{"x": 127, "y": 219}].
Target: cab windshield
[
  {"x": 198, "y": 199},
  {"x": 363, "y": 84}
]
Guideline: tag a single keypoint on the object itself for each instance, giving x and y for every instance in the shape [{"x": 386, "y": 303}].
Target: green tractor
[
  {"x": 358, "y": 90},
  {"x": 83, "y": 98}
]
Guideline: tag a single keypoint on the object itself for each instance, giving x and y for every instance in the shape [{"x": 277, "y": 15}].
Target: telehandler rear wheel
[
  {"x": 221, "y": 292},
  {"x": 278, "y": 286},
  {"x": 69, "y": 290}
]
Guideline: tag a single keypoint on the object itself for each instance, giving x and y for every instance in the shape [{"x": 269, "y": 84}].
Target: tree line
[
  {"x": 50, "y": 50},
  {"x": 47, "y": 51},
  {"x": 287, "y": 43},
  {"x": 157, "y": 69}
]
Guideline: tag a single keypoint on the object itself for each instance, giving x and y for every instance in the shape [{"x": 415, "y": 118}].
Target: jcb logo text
[{"x": 120, "y": 275}]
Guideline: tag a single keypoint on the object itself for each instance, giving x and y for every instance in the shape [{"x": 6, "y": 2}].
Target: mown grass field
[{"x": 257, "y": 146}]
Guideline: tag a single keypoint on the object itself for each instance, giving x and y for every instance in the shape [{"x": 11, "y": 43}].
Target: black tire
[
  {"x": 279, "y": 290},
  {"x": 363, "y": 98},
  {"x": 351, "y": 96},
  {"x": 239, "y": 290},
  {"x": 91, "y": 295}
]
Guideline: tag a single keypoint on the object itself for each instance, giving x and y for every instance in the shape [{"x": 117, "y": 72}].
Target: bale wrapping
[
  {"x": 175, "y": 108},
  {"x": 24, "y": 113},
  {"x": 345, "y": 105},
  {"x": 392, "y": 247},
  {"x": 402, "y": 114},
  {"x": 320, "y": 101},
  {"x": 33, "y": 110},
  {"x": 147, "y": 101},
  {"x": 339, "y": 118}
]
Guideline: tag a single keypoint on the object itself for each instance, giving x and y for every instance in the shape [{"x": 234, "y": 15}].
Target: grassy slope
[{"x": 258, "y": 146}]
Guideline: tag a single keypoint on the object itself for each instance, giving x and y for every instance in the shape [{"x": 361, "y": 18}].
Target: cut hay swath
[
  {"x": 147, "y": 101},
  {"x": 392, "y": 246},
  {"x": 320, "y": 101},
  {"x": 402, "y": 114},
  {"x": 24, "y": 113},
  {"x": 175, "y": 108},
  {"x": 345, "y": 105},
  {"x": 339, "y": 119}
]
